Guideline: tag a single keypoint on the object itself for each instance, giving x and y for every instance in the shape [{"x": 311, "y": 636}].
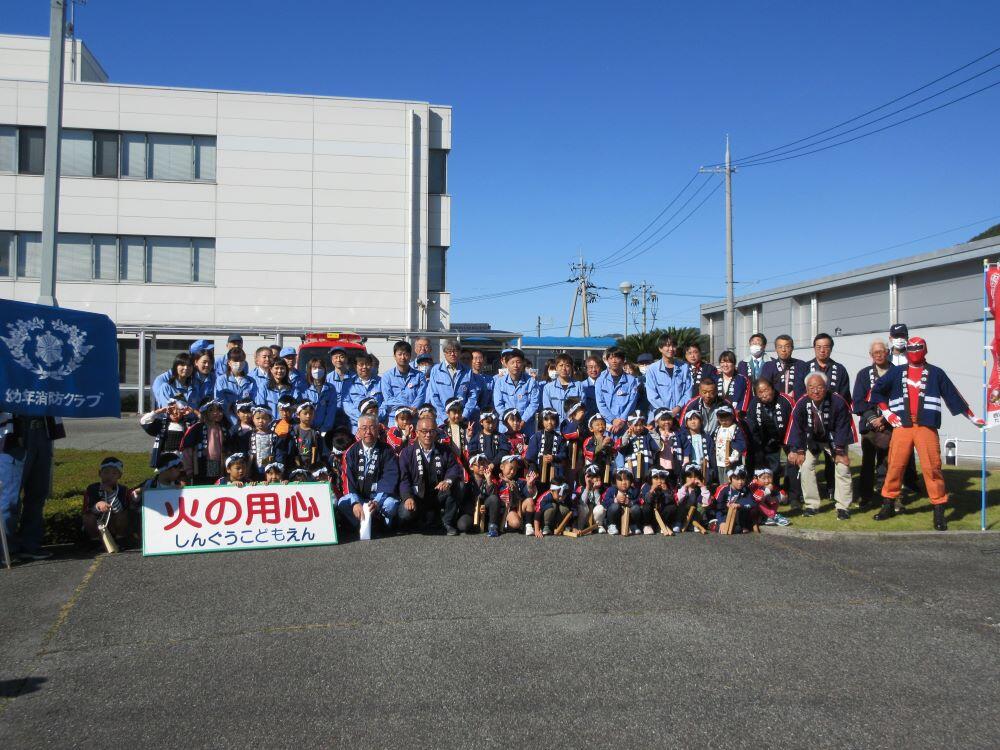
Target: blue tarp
[{"x": 56, "y": 362}]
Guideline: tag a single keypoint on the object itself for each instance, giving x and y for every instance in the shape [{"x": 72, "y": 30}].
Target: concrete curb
[{"x": 821, "y": 535}]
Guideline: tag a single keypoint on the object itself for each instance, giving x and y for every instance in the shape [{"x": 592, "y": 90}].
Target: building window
[
  {"x": 105, "y": 154},
  {"x": 31, "y": 151},
  {"x": 132, "y": 259},
  {"x": 437, "y": 172},
  {"x": 171, "y": 156},
  {"x": 6, "y": 245},
  {"x": 74, "y": 260},
  {"x": 134, "y": 156},
  {"x": 8, "y": 148},
  {"x": 29, "y": 254},
  {"x": 204, "y": 158},
  {"x": 436, "y": 269},
  {"x": 76, "y": 155},
  {"x": 105, "y": 257}
]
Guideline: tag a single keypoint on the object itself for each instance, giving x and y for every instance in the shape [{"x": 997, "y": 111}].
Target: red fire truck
[{"x": 321, "y": 344}]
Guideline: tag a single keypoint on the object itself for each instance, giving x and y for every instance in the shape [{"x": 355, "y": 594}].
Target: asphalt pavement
[{"x": 752, "y": 641}]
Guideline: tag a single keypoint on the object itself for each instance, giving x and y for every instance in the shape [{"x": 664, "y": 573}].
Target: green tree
[
  {"x": 993, "y": 231},
  {"x": 639, "y": 343}
]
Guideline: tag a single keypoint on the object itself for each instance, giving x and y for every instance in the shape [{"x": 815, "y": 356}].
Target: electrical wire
[
  {"x": 873, "y": 132},
  {"x": 634, "y": 255},
  {"x": 870, "y": 111},
  {"x": 509, "y": 292},
  {"x": 655, "y": 219},
  {"x": 749, "y": 162}
]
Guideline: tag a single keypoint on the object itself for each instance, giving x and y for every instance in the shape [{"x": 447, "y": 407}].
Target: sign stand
[{"x": 3, "y": 541}]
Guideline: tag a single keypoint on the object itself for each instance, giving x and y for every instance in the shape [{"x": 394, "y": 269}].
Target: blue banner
[{"x": 56, "y": 362}]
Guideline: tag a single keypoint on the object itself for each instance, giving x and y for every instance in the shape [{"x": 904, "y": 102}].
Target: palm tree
[{"x": 640, "y": 343}]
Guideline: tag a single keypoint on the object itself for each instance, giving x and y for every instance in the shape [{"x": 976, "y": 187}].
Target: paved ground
[
  {"x": 113, "y": 435},
  {"x": 432, "y": 642}
]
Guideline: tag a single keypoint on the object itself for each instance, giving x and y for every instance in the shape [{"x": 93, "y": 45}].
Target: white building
[{"x": 211, "y": 211}]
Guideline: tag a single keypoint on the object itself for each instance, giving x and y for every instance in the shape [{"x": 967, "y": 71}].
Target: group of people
[{"x": 679, "y": 443}]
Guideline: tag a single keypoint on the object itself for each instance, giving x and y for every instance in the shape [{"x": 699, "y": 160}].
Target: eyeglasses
[{"x": 424, "y": 432}]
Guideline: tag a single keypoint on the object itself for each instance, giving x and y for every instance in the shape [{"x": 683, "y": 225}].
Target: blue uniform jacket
[
  {"x": 616, "y": 398},
  {"x": 938, "y": 391},
  {"x": 774, "y": 373},
  {"x": 442, "y": 387},
  {"x": 589, "y": 396},
  {"x": 523, "y": 395},
  {"x": 738, "y": 393},
  {"x": 403, "y": 390},
  {"x": 703, "y": 370},
  {"x": 746, "y": 367},
  {"x": 667, "y": 388},
  {"x": 269, "y": 397},
  {"x": 166, "y": 388},
  {"x": 554, "y": 395},
  {"x": 229, "y": 390},
  {"x": 357, "y": 392},
  {"x": 324, "y": 400}
]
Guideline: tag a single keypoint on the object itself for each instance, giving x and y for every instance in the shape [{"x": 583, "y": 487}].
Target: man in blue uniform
[
  {"x": 616, "y": 392},
  {"x": 668, "y": 382},
  {"x": 451, "y": 379},
  {"x": 402, "y": 385},
  {"x": 515, "y": 389}
]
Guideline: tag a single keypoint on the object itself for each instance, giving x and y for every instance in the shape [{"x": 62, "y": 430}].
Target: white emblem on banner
[{"x": 49, "y": 350}]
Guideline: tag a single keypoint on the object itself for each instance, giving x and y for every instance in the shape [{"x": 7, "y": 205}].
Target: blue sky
[{"x": 575, "y": 123}]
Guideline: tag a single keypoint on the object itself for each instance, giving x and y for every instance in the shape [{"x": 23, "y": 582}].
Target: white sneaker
[
  {"x": 677, "y": 529},
  {"x": 529, "y": 530},
  {"x": 647, "y": 530},
  {"x": 634, "y": 530},
  {"x": 612, "y": 530},
  {"x": 601, "y": 530}
]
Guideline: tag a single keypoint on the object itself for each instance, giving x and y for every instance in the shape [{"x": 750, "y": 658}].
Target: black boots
[
  {"x": 888, "y": 511},
  {"x": 939, "y": 523}
]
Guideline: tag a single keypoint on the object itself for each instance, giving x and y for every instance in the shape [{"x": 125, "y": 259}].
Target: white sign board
[{"x": 224, "y": 517}]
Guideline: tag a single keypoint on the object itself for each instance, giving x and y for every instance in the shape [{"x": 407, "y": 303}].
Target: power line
[
  {"x": 873, "y": 110},
  {"x": 655, "y": 219},
  {"x": 877, "y": 130},
  {"x": 677, "y": 226},
  {"x": 748, "y": 161},
  {"x": 507, "y": 293}
]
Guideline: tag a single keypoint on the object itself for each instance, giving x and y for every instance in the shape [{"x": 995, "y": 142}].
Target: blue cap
[
  {"x": 288, "y": 351},
  {"x": 201, "y": 345},
  {"x": 644, "y": 359}
]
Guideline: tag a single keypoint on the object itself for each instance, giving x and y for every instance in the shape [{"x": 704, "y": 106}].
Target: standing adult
[
  {"x": 235, "y": 341},
  {"x": 429, "y": 481},
  {"x": 291, "y": 358},
  {"x": 515, "y": 389},
  {"x": 483, "y": 382},
  {"x": 26, "y": 480},
  {"x": 421, "y": 347},
  {"x": 370, "y": 477},
  {"x": 204, "y": 375},
  {"x": 451, "y": 379},
  {"x": 898, "y": 336},
  {"x": 593, "y": 366},
  {"x": 617, "y": 393},
  {"x": 697, "y": 367},
  {"x": 752, "y": 366},
  {"x": 340, "y": 377},
  {"x": 261, "y": 371},
  {"x": 821, "y": 423},
  {"x": 364, "y": 385},
  {"x": 175, "y": 383},
  {"x": 874, "y": 431},
  {"x": 402, "y": 385},
  {"x": 561, "y": 387},
  {"x": 783, "y": 372},
  {"x": 668, "y": 381},
  {"x": 910, "y": 398},
  {"x": 235, "y": 384}
]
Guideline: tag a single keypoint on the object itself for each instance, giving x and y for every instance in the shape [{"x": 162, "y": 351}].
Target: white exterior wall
[{"x": 319, "y": 211}]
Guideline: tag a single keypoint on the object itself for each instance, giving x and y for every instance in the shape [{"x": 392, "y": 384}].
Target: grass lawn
[{"x": 75, "y": 469}]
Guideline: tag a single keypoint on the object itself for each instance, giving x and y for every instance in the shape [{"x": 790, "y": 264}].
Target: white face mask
[
  {"x": 552, "y": 374},
  {"x": 642, "y": 369},
  {"x": 424, "y": 368},
  {"x": 899, "y": 344},
  {"x": 756, "y": 350},
  {"x": 319, "y": 373}
]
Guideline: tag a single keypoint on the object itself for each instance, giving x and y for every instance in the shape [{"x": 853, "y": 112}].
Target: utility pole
[
  {"x": 581, "y": 273},
  {"x": 50, "y": 184},
  {"x": 538, "y": 326},
  {"x": 647, "y": 293},
  {"x": 728, "y": 170}
]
